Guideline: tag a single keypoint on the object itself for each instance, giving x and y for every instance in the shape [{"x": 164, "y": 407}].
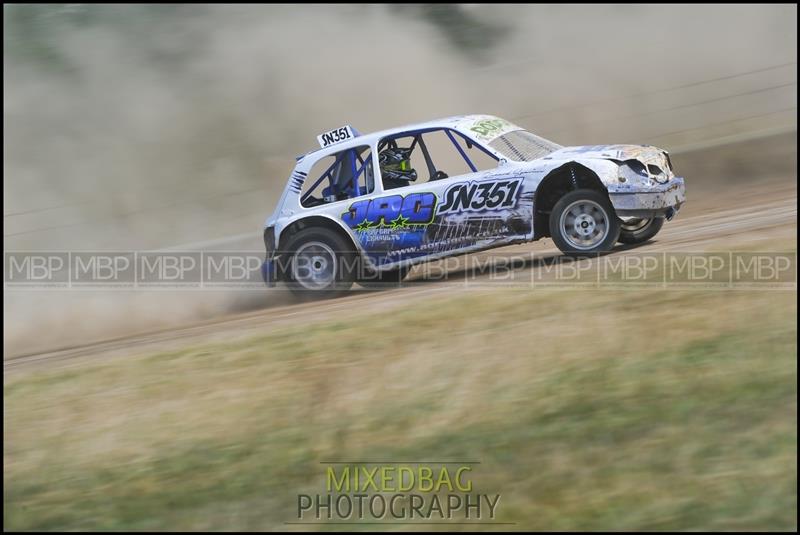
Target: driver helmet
[{"x": 395, "y": 164}]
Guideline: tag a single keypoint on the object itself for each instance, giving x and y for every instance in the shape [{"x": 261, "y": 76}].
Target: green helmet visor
[{"x": 404, "y": 165}]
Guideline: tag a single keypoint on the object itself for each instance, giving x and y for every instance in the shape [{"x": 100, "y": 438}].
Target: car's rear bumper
[{"x": 661, "y": 201}]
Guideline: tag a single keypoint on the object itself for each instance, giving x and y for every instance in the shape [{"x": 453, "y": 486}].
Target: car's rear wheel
[
  {"x": 634, "y": 230},
  {"x": 584, "y": 222},
  {"x": 321, "y": 263},
  {"x": 383, "y": 279}
]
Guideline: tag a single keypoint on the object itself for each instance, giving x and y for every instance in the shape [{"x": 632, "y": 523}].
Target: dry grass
[{"x": 588, "y": 409}]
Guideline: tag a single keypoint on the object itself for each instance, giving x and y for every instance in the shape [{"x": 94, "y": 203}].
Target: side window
[
  {"x": 409, "y": 159},
  {"x": 481, "y": 160},
  {"x": 343, "y": 175}
]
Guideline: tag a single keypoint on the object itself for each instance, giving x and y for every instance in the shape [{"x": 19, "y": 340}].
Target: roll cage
[{"x": 343, "y": 174}]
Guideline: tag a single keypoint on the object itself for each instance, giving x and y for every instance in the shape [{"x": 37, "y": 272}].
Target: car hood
[{"x": 644, "y": 153}]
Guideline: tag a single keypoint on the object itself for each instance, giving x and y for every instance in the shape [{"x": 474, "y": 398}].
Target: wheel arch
[
  {"x": 316, "y": 221},
  {"x": 555, "y": 184}
]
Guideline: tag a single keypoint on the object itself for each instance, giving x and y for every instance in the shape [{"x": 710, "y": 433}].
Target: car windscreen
[{"x": 522, "y": 146}]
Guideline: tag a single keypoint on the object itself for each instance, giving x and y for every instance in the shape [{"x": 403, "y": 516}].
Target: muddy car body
[{"x": 524, "y": 188}]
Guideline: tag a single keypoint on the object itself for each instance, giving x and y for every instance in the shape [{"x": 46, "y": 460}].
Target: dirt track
[{"x": 738, "y": 220}]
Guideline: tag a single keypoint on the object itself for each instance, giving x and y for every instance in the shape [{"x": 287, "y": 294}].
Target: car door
[{"x": 441, "y": 215}]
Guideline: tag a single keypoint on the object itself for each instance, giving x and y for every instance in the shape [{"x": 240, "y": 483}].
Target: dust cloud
[{"x": 141, "y": 127}]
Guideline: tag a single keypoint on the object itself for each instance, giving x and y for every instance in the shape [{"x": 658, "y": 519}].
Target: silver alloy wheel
[
  {"x": 314, "y": 265},
  {"x": 635, "y": 224},
  {"x": 584, "y": 224}
]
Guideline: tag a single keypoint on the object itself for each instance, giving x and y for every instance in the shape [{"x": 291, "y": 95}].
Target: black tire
[
  {"x": 583, "y": 222},
  {"x": 639, "y": 230},
  {"x": 320, "y": 263},
  {"x": 378, "y": 280}
]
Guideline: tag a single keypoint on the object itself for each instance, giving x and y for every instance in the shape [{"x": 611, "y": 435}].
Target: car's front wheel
[
  {"x": 637, "y": 230},
  {"x": 321, "y": 263},
  {"x": 584, "y": 222}
]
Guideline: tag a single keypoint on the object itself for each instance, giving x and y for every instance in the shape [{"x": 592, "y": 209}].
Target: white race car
[{"x": 365, "y": 208}]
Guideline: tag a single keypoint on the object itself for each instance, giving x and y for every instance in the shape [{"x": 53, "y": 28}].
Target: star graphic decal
[
  {"x": 399, "y": 222},
  {"x": 364, "y": 225}
]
